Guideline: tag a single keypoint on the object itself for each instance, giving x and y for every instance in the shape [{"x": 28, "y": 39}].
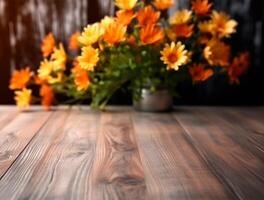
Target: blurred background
[{"x": 23, "y": 24}]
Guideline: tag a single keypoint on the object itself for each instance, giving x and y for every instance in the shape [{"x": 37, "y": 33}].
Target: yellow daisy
[
  {"x": 88, "y": 58},
  {"x": 125, "y": 4},
  {"x": 45, "y": 69},
  {"x": 180, "y": 17},
  {"x": 59, "y": 58},
  {"x": 222, "y": 25},
  {"x": 174, "y": 55},
  {"x": 23, "y": 98},
  {"x": 106, "y": 21},
  {"x": 91, "y": 34}
]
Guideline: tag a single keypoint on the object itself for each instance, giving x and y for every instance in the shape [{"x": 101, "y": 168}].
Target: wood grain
[
  {"x": 219, "y": 142},
  {"x": 117, "y": 172},
  {"x": 16, "y": 134},
  {"x": 172, "y": 167},
  {"x": 200, "y": 153}
]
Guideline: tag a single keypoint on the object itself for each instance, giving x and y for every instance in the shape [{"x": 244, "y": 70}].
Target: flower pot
[{"x": 158, "y": 101}]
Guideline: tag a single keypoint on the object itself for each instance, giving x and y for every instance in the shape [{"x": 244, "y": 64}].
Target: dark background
[{"x": 23, "y": 23}]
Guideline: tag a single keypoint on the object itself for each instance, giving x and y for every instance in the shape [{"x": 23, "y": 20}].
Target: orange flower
[
  {"x": 48, "y": 45},
  {"x": 81, "y": 78},
  {"x": 201, "y": 7},
  {"x": 115, "y": 33},
  {"x": 222, "y": 25},
  {"x": 20, "y": 79},
  {"x": 199, "y": 73},
  {"x": 163, "y": 4},
  {"x": 131, "y": 40},
  {"x": 151, "y": 34},
  {"x": 217, "y": 53},
  {"x": 125, "y": 17},
  {"x": 23, "y": 98},
  {"x": 73, "y": 43},
  {"x": 183, "y": 30},
  {"x": 238, "y": 67},
  {"x": 174, "y": 55},
  {"x": 147, "y": 15},
  {"x": 47, "y": 95}
]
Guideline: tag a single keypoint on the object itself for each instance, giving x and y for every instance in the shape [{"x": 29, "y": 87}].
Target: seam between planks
[
  {"x": 226, "y": 184},
  {"x": 31, "y": 139}
]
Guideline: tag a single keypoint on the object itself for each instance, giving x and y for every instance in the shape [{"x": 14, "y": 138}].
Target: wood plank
[
  {"x": 16, "y": 134},
  {"x": 171, "y": 165},
  {"x": 64, "y": 170},
  {"x": 216, "y": 140},
  {"x": 16, "y": 179},
  {"x": 7, "y": 114},
  {"x": 117, "y": 171}
]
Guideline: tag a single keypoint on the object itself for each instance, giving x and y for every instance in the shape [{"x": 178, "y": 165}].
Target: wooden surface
[{"x": 192, "y": 153}]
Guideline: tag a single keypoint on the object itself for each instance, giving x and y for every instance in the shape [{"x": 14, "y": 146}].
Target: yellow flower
[
  {"x": 217, "y": 53},
  {"x": 163, "y": 4},
  {"x": 23, "y": 98},
  {"x": 222, "y": 25},
  {"x": 59, "y": 58},
  {"x": 45, "y": 69},
  {"x": 174, "y": 55},
  {"x": 180, "y": 17},
  {"x": 205, "y": 27},
  {"x": 48, "y": 45},
  {"x": 91, "y": 34},
  {"x": 88, "y": 58},
  {"x": 20, "y": 79},
  {"x": 115, "y": 33},
  {"x": 125, "y": 4},
  {"x": 74, "y": 43},
  {"x": 106, "y": 21},
  {"x": 56, "y": 78}
]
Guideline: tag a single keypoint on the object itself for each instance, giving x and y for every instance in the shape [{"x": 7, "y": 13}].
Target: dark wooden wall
[{"x": 24, "y": 22}]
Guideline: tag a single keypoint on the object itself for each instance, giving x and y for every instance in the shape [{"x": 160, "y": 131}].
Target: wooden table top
[{"x": 192, "y": 153}]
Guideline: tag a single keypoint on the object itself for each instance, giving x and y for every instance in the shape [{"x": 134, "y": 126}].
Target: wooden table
[{"x": 193, "y": 153}]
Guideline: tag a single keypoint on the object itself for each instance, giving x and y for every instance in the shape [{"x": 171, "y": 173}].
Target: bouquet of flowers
[{"x": 140, "y": 47}]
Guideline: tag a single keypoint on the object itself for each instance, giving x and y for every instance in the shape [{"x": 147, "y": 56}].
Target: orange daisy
[
  {"x": 163, "y": 4},
  {"x": 147, "y": 15},
  {"x": 182, "y": 30},
  {"x": 125, "y": 16},
  {"x": 74, "y": 43},
  {"x": 47, "y": 95},
  {"x": 115, "y": 33},
  {"x": 217, "y": 53},
  {"x": 201, "y": 7},
  {"x": 239, "y": 66},
  {"x": 151, "y": 34},
  {"x": 48, "y": 45},
  {"x": 20, "y": 79},
  {"x": 81, "y": 78},
  {"x": 199, "y": 73},
  {"x": 180, "y": 17}
]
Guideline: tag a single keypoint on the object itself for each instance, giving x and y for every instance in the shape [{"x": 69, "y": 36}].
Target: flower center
[{"x": 172, "y": 57}]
